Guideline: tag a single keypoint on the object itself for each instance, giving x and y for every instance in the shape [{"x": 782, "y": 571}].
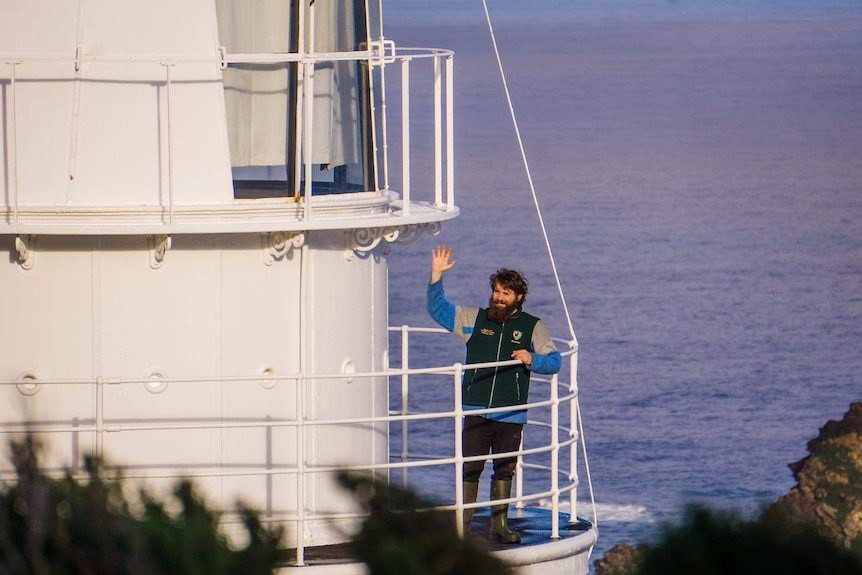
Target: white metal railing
[
  {"x": 441, "y": 187},
  {"x": 551, "y": 395}
]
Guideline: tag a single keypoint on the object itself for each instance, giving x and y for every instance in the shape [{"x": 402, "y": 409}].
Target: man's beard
[{"x": 500, "y": 314}]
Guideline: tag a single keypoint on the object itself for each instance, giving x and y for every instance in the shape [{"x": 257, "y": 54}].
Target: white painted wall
[{"x": 94, "y": 307}]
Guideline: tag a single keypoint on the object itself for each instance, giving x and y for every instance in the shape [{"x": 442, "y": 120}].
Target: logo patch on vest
[
  {"x": 486, "y": 331},
  {"x": 517, "y": 335}
]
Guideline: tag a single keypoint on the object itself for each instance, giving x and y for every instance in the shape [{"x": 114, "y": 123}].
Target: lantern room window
[{"x": 265, "y": 102}]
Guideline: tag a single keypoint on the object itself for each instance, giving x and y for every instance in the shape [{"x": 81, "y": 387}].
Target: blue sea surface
[{"x": 699, "y": 168}]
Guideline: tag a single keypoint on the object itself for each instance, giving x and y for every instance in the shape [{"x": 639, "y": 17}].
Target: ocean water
[{"x": 699, "y": 168}]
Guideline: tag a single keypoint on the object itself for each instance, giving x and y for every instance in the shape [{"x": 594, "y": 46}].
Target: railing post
[
  {"x": 405, "y": 399},
  {"x": 300, "y": 470},
  {"x": 450, "y": 134},
  {"x": 438, "y": 136},
  {"x": 307, "y": 134},
  {"x": 519, "y": 476},
  {"x": 555, "y": 458},
  {"x": 168, "y": 67},
  {"x": 573, "y": 433},
  {"x": 383, "y": 120},
  {"x": 13, "y": 136},
  {"x": 459, "y": 451},
  {"x": 100, "y": 417},
  {"x": 405, "y": 136}
]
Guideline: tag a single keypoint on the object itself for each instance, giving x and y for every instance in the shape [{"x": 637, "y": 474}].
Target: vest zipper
[{"x": 494, "y": 379}]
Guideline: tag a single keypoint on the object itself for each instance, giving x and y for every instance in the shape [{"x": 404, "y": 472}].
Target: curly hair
[{"x": 511, "y": 279}]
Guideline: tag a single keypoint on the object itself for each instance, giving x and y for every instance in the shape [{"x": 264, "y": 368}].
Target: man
[{"x": 501, "y": 332}]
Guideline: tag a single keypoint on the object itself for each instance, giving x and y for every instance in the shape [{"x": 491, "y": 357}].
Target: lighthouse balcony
[
  {"x": 284, "y": 459},
  {"x": 225, "y": 142}
]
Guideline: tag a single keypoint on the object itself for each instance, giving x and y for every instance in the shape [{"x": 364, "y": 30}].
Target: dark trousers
[{"x": 482, "y": 435}]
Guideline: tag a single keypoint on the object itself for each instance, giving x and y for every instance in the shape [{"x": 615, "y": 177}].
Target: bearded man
[{"x": 501, "y": 332}]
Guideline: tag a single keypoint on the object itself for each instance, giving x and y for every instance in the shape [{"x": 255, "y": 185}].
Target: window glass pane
[
  {"x": 260, "y": 98},
  {"x": 341, "y": 134}
]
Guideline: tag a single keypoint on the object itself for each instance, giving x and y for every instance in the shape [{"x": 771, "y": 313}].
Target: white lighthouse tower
[{"x": 196, "y": 211}]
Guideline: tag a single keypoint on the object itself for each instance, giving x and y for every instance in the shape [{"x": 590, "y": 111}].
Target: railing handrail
[
  {"x": 441, "y": 195},
  {"x": 101, "y": 424},
  {"x": 223, "y": 57}
]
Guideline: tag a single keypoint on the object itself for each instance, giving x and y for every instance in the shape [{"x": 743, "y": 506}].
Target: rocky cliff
[
  {"x": 828, "y": 492},
  {"x": 826, "y": 500}
]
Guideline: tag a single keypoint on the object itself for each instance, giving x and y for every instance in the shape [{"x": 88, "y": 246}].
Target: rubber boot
[
  {"x": 471, "y": 494},
  {"x": 500, "y": 515}
]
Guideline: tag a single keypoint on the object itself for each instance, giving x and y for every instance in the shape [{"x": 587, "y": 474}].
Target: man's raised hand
[{"x": 441, "y": 261}]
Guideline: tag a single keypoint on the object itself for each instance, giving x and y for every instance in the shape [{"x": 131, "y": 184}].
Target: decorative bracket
[
  {"x": 363, "y": 240},
  {"x": 25, "y": 246},
  {"x": 410, "y": 234},
  {"x": 159, "y": 246},
  {"x": 276, "y": 245}
]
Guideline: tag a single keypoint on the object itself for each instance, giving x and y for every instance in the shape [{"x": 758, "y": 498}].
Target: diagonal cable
[{"x": 529, "y": 175}]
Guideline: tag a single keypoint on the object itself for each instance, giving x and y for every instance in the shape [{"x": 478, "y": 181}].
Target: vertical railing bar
[
  {"x": 438, "y": 135},
  {"x": 300, "y": 471},
  {"x": 307, "y": 134},
  {"x": 459, "y": 451},
  {"x": 555, "y": 458},
  {"x": 405, "y": 398},
  {"x": 573, "y": 432},
  {"x": 100, "y": 417},
  {"x": 308, "y": 127},
  {"x": 168, "y": 67},
  {"x": 519, "y": 477},
  {"x": 450, "y": 134},
  {"x": 405, "y": 136},
  {"x": 383, "y": 126},
  {"x": 13, "y": 130}
]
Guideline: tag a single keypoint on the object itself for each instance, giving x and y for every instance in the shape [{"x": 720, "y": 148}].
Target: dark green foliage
[
  {"x": 62, "y": 526},
  {"x": 711, "y": 543},
  {"x": 398, "y": 538}
]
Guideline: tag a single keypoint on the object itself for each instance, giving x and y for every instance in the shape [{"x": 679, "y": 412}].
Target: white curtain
[
  {"x": 336, "y": 89},
  {"x": 257, "y": 97}
]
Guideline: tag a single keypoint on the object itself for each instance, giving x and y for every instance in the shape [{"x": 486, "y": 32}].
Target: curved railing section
[
  {"x": 204, "y": 211},
  {"x": 548, "y": 462},
  {"x": 553, "y": 408}
]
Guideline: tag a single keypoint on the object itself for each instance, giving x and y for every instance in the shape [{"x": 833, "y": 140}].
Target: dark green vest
[{"x": 491, "y": 341}]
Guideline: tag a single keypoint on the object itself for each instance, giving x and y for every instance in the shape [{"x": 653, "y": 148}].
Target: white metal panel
[
  {"x": 259, "y": 332},
  {"x": 38, "y": 26},
  {"x": 160, "y": 320},
  {"x": 137, "y": 148},
  {"x": 342, "y": 339},
  {"x": 47, "y": 321},
  {"x": 201, "y": 159},
  {"x": 111, "y": 129},
  {"x": 118, "y": 145},
  {"x": 114, "y": 27},
  {"x": 42, "y": 122}
]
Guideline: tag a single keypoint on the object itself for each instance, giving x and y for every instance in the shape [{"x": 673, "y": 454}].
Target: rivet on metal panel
[
  {"x": 29, "y": 383},
  {"x": 267, "y": 381},
  {"x": 347, "y": 367},
  {"x": 158, "y": 381}
]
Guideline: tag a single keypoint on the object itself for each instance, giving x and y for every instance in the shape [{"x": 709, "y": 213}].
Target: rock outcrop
[
  {"x": 828, "y": 493},
  {"x": 827, "y": 499},
  {"x": 621, "y": 559}
]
